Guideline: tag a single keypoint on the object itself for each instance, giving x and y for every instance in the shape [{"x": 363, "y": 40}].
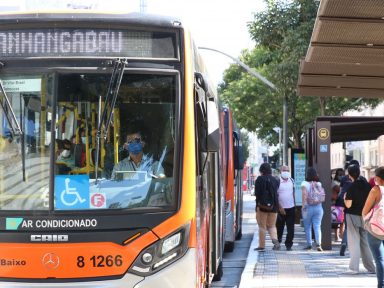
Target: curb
[{"x": 250, "y": 265}]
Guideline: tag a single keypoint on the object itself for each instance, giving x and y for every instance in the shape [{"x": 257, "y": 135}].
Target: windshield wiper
[
  {"x": 110, "y": 102},
  {"x": 14, "y": 125}
]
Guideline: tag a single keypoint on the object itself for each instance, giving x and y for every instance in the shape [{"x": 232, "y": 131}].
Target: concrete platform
[{"x": 300, "y": 268}]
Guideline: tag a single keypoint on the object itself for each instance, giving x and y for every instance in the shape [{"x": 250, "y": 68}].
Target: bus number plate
[{"x": 100, "y": 261}]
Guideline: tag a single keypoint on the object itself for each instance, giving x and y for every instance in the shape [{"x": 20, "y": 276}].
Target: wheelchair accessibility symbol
[
  {"x": 70, "y": 196},
  {"x": 72, "y": 192}
]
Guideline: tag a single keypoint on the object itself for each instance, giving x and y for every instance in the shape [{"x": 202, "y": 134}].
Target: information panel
[
  {"x": 22, "y": 85},
  {"x": 87, "y": 42},
  {"x": 298, "y": 174}
]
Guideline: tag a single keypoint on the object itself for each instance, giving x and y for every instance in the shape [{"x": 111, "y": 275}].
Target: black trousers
[{"x": 286, "y": 220}]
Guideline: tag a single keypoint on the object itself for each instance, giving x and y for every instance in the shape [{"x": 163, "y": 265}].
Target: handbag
[
  {"x": 265, "y": 208},
  {"x": 374, "y": 220}
]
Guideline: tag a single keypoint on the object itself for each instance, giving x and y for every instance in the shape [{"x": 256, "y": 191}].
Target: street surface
[
  {"x": 246, "y": 268},
  {"x": 235, "y": 261}
]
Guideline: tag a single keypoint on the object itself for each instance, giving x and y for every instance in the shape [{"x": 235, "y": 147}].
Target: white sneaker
[{"x": 351, "y": 272}]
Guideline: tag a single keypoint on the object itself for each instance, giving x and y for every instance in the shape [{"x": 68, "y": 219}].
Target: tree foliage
[
  {"x": 245, "y": 144},
  {"x": 282, "y": 33}
]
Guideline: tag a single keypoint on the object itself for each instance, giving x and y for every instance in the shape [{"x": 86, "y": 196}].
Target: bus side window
[{"x": 201, "y": 129}]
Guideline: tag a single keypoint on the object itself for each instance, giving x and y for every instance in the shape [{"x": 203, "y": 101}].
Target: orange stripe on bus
[
  {"x": 41, "y": 261},
  {"x": 187, "y": 210}
]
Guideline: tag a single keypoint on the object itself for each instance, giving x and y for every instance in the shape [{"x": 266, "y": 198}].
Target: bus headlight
[
  {"x": 161, "y": 253},
  {"x": 171, "y": 243}
]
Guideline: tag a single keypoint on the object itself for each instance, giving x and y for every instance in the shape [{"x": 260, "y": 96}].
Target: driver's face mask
[{"x": 135, "y": 148}]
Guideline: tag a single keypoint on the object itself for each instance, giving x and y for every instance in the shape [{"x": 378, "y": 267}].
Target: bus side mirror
[
  {"x": 239, "y": 161},
  {"x": 201, "y": 81}
]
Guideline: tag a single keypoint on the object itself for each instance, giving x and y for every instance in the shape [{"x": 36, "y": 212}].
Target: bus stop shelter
[
  {"x": 329, "y": 130},
  {"x": 345, "y": 58}
]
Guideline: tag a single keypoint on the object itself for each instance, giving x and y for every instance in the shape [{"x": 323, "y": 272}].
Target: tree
[
  {"x": 245, "y": 144},
  {"x": 282, "y": 33}
]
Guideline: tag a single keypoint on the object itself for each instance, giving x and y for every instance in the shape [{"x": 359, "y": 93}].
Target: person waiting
[
  {"x": 286, "y": 213},
  {"x": 337, "y": 208},
  {"x": 376, "y": 244},
  {"x": 312, "y": 213},
  {"x": 266, "y": 206},
  {"x": 354, "y": 199}
]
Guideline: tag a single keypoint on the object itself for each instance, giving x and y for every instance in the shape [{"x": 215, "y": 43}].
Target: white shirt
[{"x": 285, "y": 193}]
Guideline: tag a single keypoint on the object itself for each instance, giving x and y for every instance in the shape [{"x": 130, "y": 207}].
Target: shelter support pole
[
  {"x": 323, "y": 166},
  {"x": 285, "y": 130}
]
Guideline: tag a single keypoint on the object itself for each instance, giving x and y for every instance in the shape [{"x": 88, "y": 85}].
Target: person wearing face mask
[
  {"x": 286, "y": 213},
  {"x": 354, "y": 199},
  {"x": 345, "y": 183},
  {"x": 137, "y": 160},
  {"x": 65, "y": 158}
]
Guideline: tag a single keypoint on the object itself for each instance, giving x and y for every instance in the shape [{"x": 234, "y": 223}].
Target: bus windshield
[{"x": 59, "y": 114}]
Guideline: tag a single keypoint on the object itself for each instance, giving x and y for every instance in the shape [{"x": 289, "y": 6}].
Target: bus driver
[{"x": 137, "y": 160}]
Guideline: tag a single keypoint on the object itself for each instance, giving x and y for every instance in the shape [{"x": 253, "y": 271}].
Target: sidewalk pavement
[{"x": 300, "y": 268}]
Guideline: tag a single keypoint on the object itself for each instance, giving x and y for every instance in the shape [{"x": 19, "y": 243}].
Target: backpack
[
  {"x": 374, "y": 220},
  {"x": 266, "y": 201},
  {"x": 337, "y": 214},
  {"x": 316, "y": 194}
]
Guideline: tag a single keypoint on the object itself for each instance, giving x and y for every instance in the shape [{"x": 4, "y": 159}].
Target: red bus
[{"x": 233, "y": 179}]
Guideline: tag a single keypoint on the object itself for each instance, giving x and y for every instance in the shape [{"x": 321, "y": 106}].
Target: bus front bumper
[{"x": 181, "y": 274}]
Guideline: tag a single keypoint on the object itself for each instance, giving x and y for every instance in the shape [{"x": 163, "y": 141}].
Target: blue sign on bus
[{"x": 72, "y": 192}]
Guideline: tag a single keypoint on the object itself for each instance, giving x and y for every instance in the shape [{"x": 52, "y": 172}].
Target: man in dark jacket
[{"x": 266, "y": 206}]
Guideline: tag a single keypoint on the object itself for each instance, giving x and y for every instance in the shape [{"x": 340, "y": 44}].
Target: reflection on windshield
[
  {"x": 135, "y": 159},
  {"x": 135, "y": 188},
  {"x": 9, "y": 114},
  {"x": 24, "y": 160},
  {"x": 136, "y": 155}
]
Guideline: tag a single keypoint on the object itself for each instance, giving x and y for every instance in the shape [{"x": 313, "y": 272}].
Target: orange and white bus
[
  {"x": 233, "y": 164},
  {"x": 82, "y": 95}
]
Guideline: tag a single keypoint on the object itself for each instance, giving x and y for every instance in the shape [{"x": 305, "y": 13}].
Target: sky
[{"x": 217, "y": 24}]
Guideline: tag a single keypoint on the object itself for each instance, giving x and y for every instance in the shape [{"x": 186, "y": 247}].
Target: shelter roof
[
  {"x": 345, "y": 57},
  {"x": 354, "y": 128}
]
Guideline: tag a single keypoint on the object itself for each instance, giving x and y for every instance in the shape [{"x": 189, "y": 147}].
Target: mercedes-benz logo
[{"x": 51, "y": 261}]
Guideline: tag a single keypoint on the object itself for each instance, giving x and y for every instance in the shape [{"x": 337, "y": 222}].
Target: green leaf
[{"x": 282, "y": 33}]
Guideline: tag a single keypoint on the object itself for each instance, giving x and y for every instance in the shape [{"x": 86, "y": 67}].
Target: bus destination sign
[{"x": 85, "y": 43}]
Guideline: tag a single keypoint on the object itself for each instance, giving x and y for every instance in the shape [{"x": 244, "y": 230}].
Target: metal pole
[
  {"x": 270, "y": 85},
  {"x": 246, "y": 67},
  {"x": 285, "y": 130},
  {"x": 280, "y": 148}
]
